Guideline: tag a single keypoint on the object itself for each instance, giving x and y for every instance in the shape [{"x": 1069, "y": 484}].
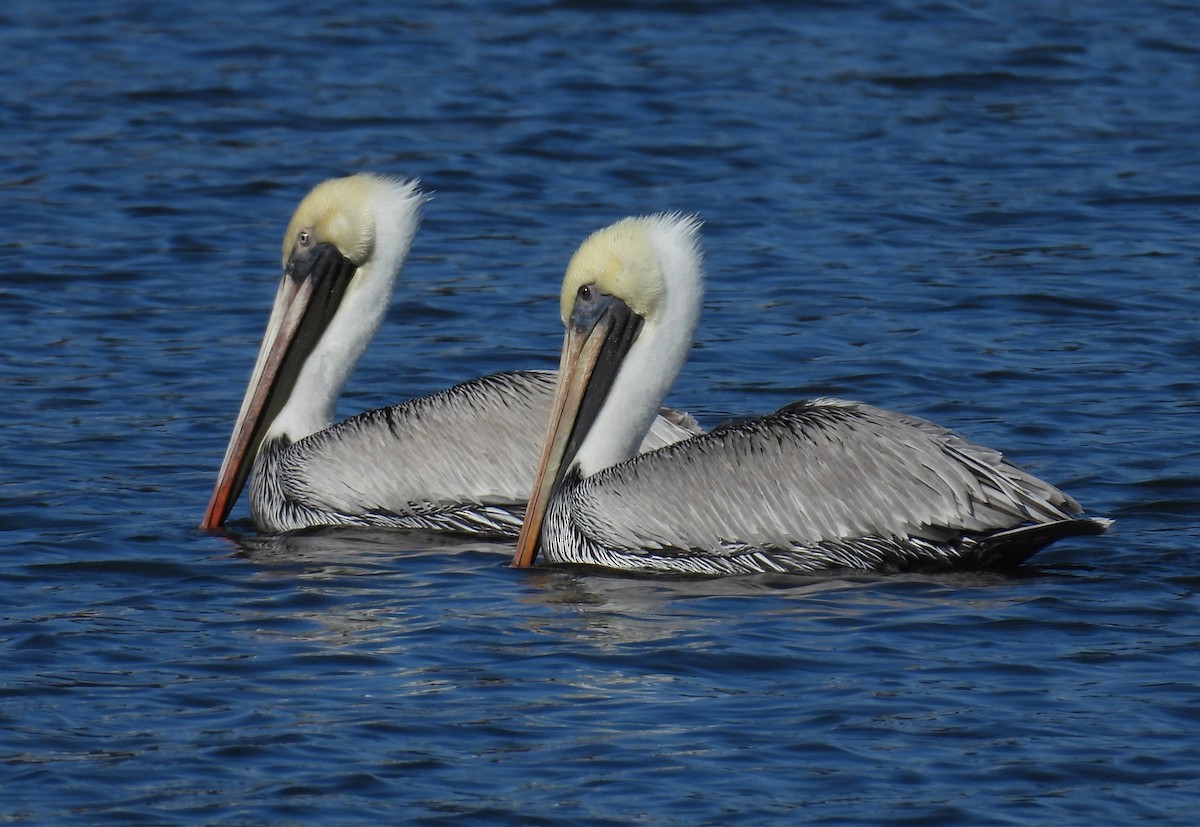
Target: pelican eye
[
  {"x": 590, "y": 304},
  {"x": 304, "y": 238}
]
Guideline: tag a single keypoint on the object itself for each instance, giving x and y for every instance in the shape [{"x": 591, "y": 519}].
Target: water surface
[{"x": 987, "y": 217}]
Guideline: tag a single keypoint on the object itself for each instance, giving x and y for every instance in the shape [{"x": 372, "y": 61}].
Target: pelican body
[
  {"x": 817, "y": 485},
  {"x": 461, "y": 460}
]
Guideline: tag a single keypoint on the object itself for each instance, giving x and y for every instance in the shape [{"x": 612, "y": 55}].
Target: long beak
[
  {"x": 304, "y": 304},
  {"x": 591, "y": 357}
]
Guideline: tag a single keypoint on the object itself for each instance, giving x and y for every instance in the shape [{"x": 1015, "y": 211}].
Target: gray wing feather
[
  {"x": 477, "y": 442},
  {"x": 813, "y": 472}
]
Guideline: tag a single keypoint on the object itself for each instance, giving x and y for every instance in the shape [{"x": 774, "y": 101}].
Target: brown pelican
[
  {"x": 460, "y": 460},
  {"x": 816, "y": 485}
]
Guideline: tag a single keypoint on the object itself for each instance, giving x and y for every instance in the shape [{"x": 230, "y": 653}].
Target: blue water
[{"x": 984, "y": 216}]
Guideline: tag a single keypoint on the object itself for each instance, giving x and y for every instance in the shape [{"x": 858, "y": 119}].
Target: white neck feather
[
  {"x": 395, "y": 208},
  {"x": 656, "y": 357}
]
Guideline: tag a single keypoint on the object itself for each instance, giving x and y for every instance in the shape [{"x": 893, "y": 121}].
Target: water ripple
[{"x": 983, "y": 218}]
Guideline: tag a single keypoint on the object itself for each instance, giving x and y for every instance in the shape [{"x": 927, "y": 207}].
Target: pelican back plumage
[
  {"x": 821, "y": 484},
  {"x": 459, "y": 460}
]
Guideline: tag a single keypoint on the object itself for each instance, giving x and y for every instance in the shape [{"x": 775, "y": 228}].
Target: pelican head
[
  {"x": 630, "y": 301},
  {"x": 342, "y": 252}
]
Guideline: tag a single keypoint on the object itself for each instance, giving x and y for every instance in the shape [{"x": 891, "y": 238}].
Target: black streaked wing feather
[{"x": 812, "y": 472}]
